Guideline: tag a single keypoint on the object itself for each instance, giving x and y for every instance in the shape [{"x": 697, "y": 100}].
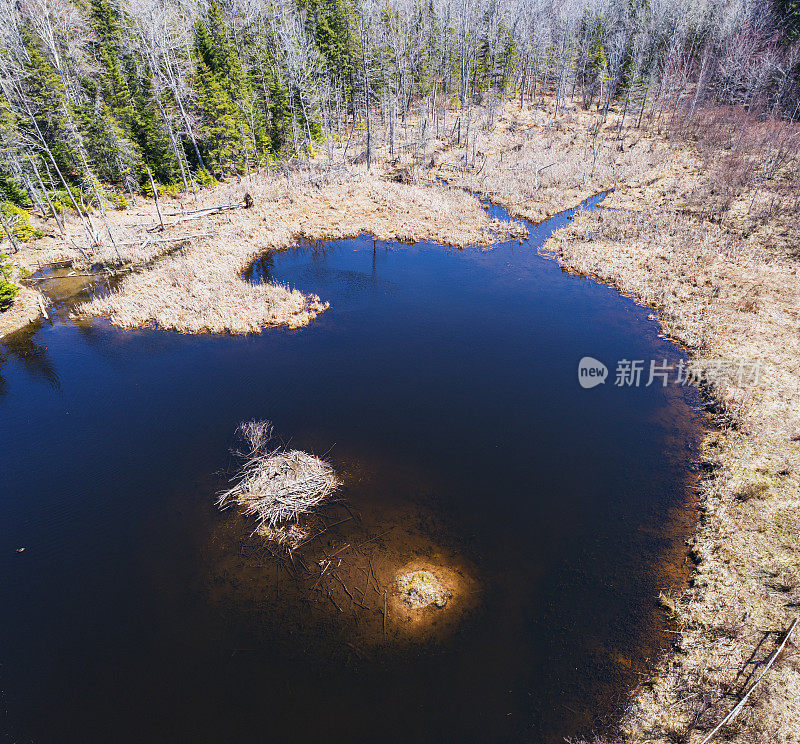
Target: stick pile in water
[{"x": 273, "y": 484}]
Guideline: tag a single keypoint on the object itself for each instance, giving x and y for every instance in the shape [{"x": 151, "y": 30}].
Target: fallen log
[
  {"x": 41, "y": 306},
  {"x": 218, "y": 208},
  {"x": 196, "y": 216},
  {"x": 168, "y": 240},
  {"x": 188, "y": 215}
]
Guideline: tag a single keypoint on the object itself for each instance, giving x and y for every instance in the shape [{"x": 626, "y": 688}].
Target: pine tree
[
  {"x": 154, "y": 142},
  {"x": 116, "y": 91},
  {"x": 221, "y": 57},
  {"x": 51, "y": 108},
  {"x": 334, "y": 38},
  {"x": 114, "y": 156},
  {"x": 280, "y": 125},
  {"x": 113, "y": 81},
  {"x": 221, "y": 122},
  {"x": 10, "y": 189},
  {"x": 215, "y": 49}
]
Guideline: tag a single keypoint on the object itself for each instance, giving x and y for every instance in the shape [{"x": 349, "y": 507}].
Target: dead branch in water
[{"x": 41, "y": 306}]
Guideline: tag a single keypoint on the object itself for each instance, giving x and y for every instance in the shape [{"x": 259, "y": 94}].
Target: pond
[{"x": 442, "y": 384}]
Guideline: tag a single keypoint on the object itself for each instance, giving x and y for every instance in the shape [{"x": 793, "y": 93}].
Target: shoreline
[
  {"x": 25, "y": 311},
  {"x": 749, "y": 461},
  {"x": 199, "y": 286}
]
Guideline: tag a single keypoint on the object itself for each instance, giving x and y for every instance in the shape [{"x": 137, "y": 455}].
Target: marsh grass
[{"x": 536, "y": 165}]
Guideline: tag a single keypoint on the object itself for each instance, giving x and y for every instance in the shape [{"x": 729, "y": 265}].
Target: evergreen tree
[
  {"x": 332, "y": 32},
  {"x": 216, "y": 50},
  {"x": 221, "y": 122},
  {"x": 113, "y": 82},
  {"x": 230, "y": 109},
  {"x": 51, "y": 108},
  {"x": 154, "y": 142},
  {"x": 10, "y": 189},
  {"x": 114, "y": 156}
]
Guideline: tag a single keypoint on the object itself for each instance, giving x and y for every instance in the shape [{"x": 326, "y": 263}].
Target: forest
[{"x": 102, "y": 99}]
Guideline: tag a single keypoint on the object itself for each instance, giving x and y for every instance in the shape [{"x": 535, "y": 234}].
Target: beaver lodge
[{"x": 276, "y": 486}]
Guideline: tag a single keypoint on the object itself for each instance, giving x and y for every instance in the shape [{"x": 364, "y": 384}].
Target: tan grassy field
[{"x": 537, "y": 166}]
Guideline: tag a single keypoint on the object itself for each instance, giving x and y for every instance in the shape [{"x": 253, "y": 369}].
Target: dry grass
[
  {"x": 201, "y": 287},
  {"x": 724, "y": 298},
  {"x": 750, "y": 182},
  {"x": 537, "y": 165}
]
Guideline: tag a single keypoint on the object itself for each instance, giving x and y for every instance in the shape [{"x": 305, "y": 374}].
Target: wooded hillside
[{"x": 96, "y": 93}]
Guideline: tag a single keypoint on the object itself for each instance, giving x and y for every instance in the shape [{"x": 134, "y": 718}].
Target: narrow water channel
[{"x": 443, "y": 386}]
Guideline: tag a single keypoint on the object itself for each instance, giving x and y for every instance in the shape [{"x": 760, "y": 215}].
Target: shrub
[
  {"x": 164, "y": 189},
  {"x": 119, "y": 200},
  {"x": 171, "y": 189},
  {"x": 62, "y": 201},
  {"x": 20, "y": 221},
  {"x": 8, "y": 290},
  {"x": 13, "y": 192},
  {"x": 204, "y": 178},
  {"x": 57, "y": 203}
]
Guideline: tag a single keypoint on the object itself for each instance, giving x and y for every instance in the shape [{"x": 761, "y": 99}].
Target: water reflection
[
  {"x": 3, "y": 383},
  {"x": 319, "y": 269},
  {"x": 25, "y": 347}
]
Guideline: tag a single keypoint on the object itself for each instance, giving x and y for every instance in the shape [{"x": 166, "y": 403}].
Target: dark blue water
[{"x": 443, "y": 385}]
